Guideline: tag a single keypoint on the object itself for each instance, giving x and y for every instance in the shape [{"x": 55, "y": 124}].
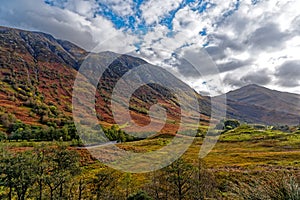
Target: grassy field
[
  {"x": 244, "y": 154},
  {"x": 243, "y": 148}
]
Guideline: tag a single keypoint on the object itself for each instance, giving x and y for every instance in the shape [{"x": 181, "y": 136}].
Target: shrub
[
  {"x": 3, "y": 136},
  {"x": 140, "y": 195},
  {"x": 231, "y": 123},
  {"x": 270, "y": 186},
  {"x": 7, "y": 119},
  {"x": 228, "y": 124}
]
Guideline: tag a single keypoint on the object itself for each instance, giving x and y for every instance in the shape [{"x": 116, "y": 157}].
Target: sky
[{"x": 247, "y": 41}]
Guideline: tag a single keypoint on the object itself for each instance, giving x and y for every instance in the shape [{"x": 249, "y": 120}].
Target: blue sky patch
[{"x": 134, "y": 23}]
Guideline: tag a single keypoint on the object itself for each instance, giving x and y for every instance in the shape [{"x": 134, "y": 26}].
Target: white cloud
[
  {"x": 121, "y": 7},
  {"x": 84, "y": 8},
  {"x": 254, "y": 38},
  {"x": 264, "y": 33},
  {"x": 154, "y": 10},
  {"x": 62, "y": 23}
]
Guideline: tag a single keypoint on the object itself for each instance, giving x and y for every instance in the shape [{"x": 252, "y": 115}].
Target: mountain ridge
[
  {"x": 263, "y": 105},
  {"x": 38, "y": 74}
]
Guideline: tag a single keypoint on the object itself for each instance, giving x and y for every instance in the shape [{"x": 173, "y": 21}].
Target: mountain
[
  {"x": 38, "y": 73},
  {"x": 257, "y": 104},
  {"x": 266, "y": 98}
]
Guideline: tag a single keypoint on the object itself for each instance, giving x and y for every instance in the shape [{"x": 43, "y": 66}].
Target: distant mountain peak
[
  {"x": 251, "y": 86},
  {"x": 262, "y": 103}
]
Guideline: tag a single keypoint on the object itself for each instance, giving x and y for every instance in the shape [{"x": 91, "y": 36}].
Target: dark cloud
[
  {"x": 232, "y": 65},
  {"x": 236, "y": 24},
  {"x": 37, "y": 16},
  {"x": 260, "y": 77},
  {"x": 195, "y": 64},
  {"x": 288, "y": 74},
  {"x": 187, "y": 69},
  {"x": 232, "y": 81},
  {"x": 224, "y": 42},
  {"x": 268, "y": 37},
  {"x": 216, "y": 53}
]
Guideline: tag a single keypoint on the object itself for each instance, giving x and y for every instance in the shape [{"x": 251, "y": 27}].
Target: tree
[
  {"x": 180, "y": 176},
  {"x": 227, "y": 124},
  {"x": 6, "y": 172},
  {"x": 104, "y": 183},
  {"x": 40, "y": 157},
  {"x": 18, "y": 173},
  {"x": 277, "y": 185},
  {"x": 140, "y": 195},
  {"x": 159, "y": 187},
  {"x": 127, "y": 183},
  {"x": 62, "y": 164},
  {"x": 3, "y": 136},
  {"x": 231, "y": 124},
  {"x": 204, "y": 182}
]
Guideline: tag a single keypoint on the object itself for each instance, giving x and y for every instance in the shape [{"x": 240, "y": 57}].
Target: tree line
[
  {"x": 58, "y": 172},
  {"x": 18, "y": 131}
]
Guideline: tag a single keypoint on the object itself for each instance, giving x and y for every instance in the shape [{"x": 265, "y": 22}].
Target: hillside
[
  {"x": 257, "y": 104},
  {"x": 266, "y": 98},
  {"x": 38, "y": 73}
]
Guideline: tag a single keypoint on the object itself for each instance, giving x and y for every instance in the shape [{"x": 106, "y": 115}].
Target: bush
[
  {"x": 3, "y": 136},
  {"x": 7, "y": 119},
  {"x": 232, "y": 124},
  {"x": 116, "y": 134},
  {"x": 228, "y": 124},
  {"x": 271, "y": 186},
  {"x": 76, "y": 143},
  {"x": 141, "y": 195},
  {"x": 283, "y": 128}
]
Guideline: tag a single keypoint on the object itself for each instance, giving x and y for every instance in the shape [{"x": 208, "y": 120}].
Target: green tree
[
  {"x": 18, "y": 173},
  {"x": 204, "y": 183},
  {"x": 62, "y": 164},
  {"x": 159, "y": 187},
  {"x": 127, "y": 181},
  {"x": 140, "y": 195},
  {"x": 227, "y": 124},
  {"x": 40, "y": 157},
  {"x": 3, "y": 136},
  {"x": 232, "y": 123},
  {"x": 104, "y": 184},
  {"x": 180, "y": 177}
]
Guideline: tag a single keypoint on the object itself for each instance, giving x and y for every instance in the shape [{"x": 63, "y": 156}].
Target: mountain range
[
  {"x": 257, "y": 104},
  {"x": 38, "y": 74}
]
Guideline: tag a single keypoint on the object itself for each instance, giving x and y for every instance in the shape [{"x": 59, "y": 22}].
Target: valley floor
[{"x": 242, "y": 156}]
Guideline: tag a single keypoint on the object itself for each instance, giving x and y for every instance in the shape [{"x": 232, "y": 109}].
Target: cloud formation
[
  {"x": 249, "y": 41},
  {"x": 260, "y": 77},
  {"x": 288, "y": 74}
]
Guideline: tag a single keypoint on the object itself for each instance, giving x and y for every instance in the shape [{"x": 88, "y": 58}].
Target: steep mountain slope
[
  {"x": 266, "y": 98},
  {"x": 37, "y": 77},
  {"x": 37, "y": 74},
  {"x": 258, "y": 104}
]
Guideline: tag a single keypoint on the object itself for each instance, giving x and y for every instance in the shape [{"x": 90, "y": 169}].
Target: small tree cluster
[
  {"x": 228, "y": 124},
  {"x": 182, "y": 180},
  {"x": 116, "y": 134},
  {"x": 44, "y": 173}
]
